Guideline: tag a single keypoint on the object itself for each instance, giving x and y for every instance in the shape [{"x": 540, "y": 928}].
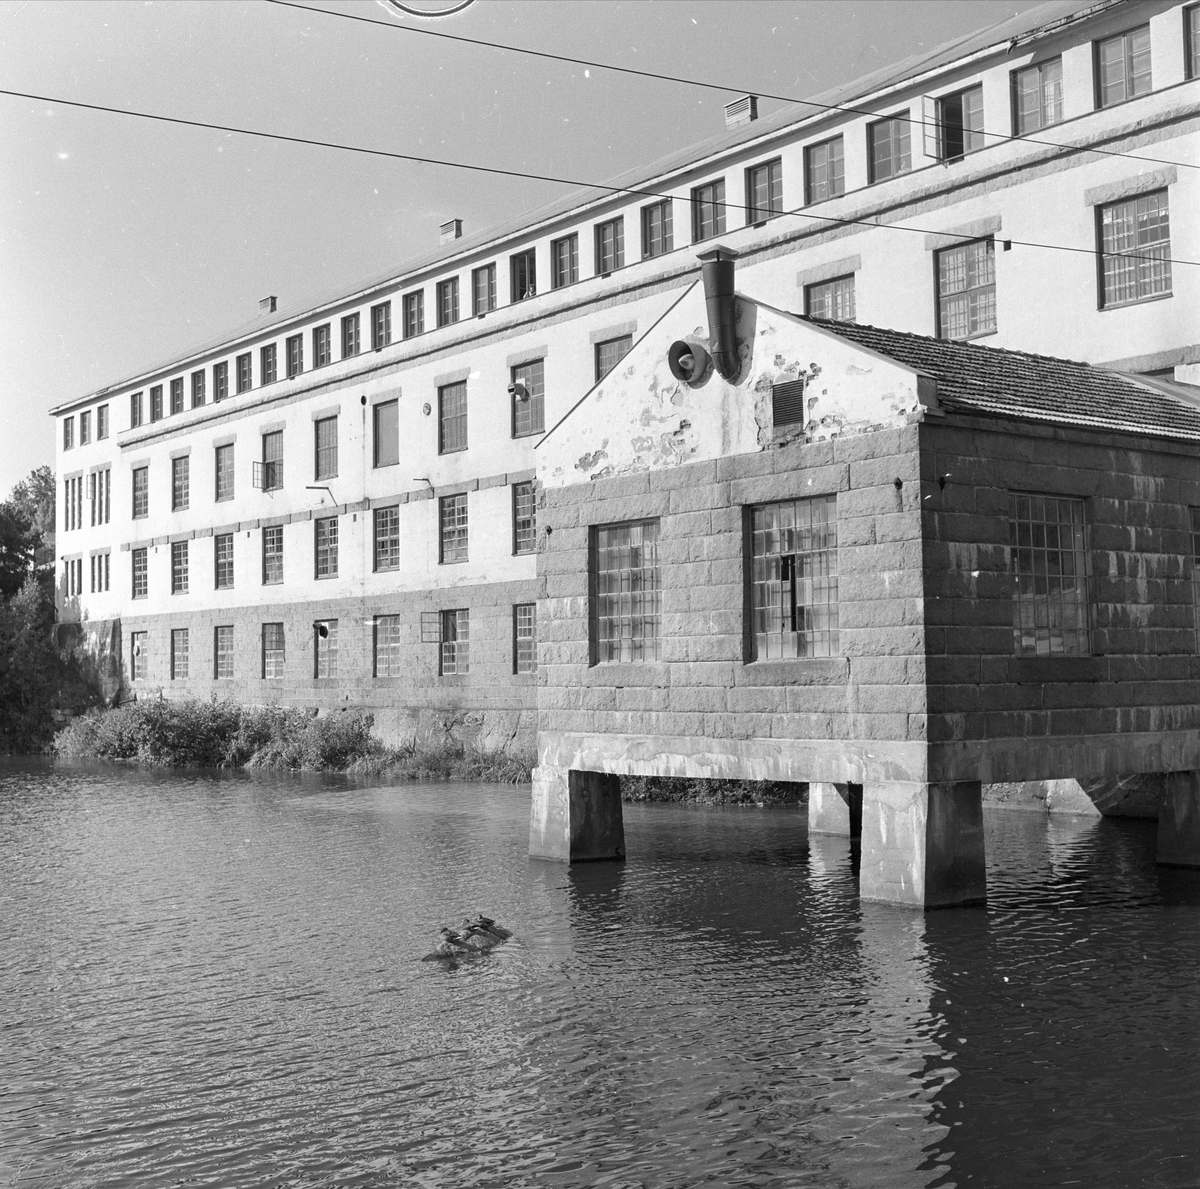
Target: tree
[
  {"x": 17, "y": 541},
  {"x": 34, "y": 496}
]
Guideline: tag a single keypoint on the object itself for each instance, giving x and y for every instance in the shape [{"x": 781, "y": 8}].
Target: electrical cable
[{"x": 832, "y": 221}]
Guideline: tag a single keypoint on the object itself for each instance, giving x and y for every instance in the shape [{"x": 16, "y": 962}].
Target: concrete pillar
[
  {"x": 835, "y": 809},
  {"x": 576, "y": 816},
  {"x": 922, "y": 844},
  {"x": 1179, "y": 821}
]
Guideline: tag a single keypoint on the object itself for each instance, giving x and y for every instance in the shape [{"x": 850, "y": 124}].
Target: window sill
[
  {"x": 533, "y": 433},
  {"x": 456, "y": 561},
  {"x": 324, "y": 577},
  {"x": 456, "y": 450},
  {"x": 1137, "y": 301},
  {"x": 809, "y": 670},
  {"x": 970, "y": 338}
]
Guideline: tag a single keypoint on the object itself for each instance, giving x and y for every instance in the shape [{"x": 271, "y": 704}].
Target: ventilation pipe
[{"x": 717, "y": 271}]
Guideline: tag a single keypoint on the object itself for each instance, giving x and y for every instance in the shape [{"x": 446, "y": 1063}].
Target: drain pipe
[{"x": 717, "y": 273}]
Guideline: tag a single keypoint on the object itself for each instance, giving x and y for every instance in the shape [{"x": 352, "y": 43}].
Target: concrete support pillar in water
[
  {"x": 835, "y": 809},
  {"x": 576, "y": 816},
  {"x": 922, "y": 844},
  {"x": 1179, "y": 821}
]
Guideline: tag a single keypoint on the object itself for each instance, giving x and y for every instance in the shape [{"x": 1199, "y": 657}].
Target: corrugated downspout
[{"x": 717, "y": 272}]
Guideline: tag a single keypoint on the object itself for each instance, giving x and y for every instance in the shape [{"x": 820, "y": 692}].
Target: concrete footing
[
  {"x": 575, "y": 816},
  {"x": 835, "y": 809},
  {"x": 1179, "y": 821},
  {"x": 922, "y": 844}
]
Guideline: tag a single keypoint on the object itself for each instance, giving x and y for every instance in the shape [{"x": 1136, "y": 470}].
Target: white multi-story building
[{"x": 336, "y": 504}]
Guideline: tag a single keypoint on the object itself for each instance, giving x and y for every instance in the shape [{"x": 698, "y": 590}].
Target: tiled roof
[{"x": 972, "y": 378}]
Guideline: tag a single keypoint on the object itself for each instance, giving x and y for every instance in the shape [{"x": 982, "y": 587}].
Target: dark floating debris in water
[{"x": 471, "y": 937}]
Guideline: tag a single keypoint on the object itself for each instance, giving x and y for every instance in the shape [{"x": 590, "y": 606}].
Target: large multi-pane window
[
  {"x": 221, "y": 381},
  {"x": 452, "y": 417},
  {"x": 1037, "y": 96},
  {"x": 272, "y": 560},
  {"x": 351, "y": 337},
  {"x": 529, "y": 398},
  {"x": 1123, "y": 67},
  {"x": 177, "y": 395},
  {"x": 325, "y": 648},
  {"x": 223, "y": 652},
  {"x": 325, "y": 440},
  {"x": 135, "y": 419},
  {"x": 447, "y": 301},
  {"x": 456, "y": 643},
  {"x": 102, "y": 422},
  {"x": 708, "y": 211},
  {"x": 156, "y": 407},
  {"x": 657, "y": 237},
  {"x": 387, "y": 433},
  {"x": 224, "y": 471},
  {"x": 522, "y": 274},
  {"x": 274, "y": 654},
  {"x": 295, "y": 355},
  {"x": 322, "y": 345},
  {"x": 966, "y": 276},
  {"x": 794, "y": 579},
  {"x": 179, "y": 567},
  {"x": 141, "y": 492},
  {"x": 483, "y": 289},
  {"x": 179, "y": 654},
  {"x": 960, "y": 123},
  {"x": 610, "y": 245},
  {"x": 223, "y": 558},
  {"x": 325, "y": 535},
  {"x": 1135, "y": 249},
  {"x": 381, "y": 325},
  {"x": 272, "y": 460},
  {"x": 141, "y": 578},
  {"x": 243, "y": 373},
  {"x": 388, "y": 658},
  {"x": 564, "y": 261},
  {"x": 139, "y": 656},
  {"x": 198, "y": 389},
  {"x": 824, "y": 170},
  {"x": 268, "y": 363},
  {"x": 764, "y": 191},
  {"x": 833, "y": 299},
  {"x": 414, "y": 313},
  {"x": 889, "y": 150},
  {"x": 1049, "y": 566},
  {"x": 180, "y": 483},
  {"x": 524, "y": 517},
  {"x": 626, "y": 618},
  {"x": 525, "y": 638},
  {"x": 610, "y": 352},
  {"x": 452, "y": 515},
  {"x": 387, "y": 538}
]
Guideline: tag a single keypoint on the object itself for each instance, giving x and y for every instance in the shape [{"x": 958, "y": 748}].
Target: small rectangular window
[
  {"x": 272, "y": 460},
  {"x": 223, "y": 652},
  {"x": 179, "y": 567},
  {"x": 141, "y": 577},
  {"x": 960, "y": 123},
  {"x": 272, "y": 563},
  {"x": 610, "y": 246},
  {"x": 524, "y": 517},
  {"x": 483, "y": 289},
  {"x": 179, "y": 654},
  {"x": 610, "y": 352},
  {"x": 243, "y": 373},
  {"x": 525, "y": 638},
  {"x": 564, "y": 261},
  {"x": 141, "y": 492},
  {"x": 180, "y": 483},
  {"x": 102, "y": 422},
  {"x": 626, "y": 583},
  {"x": 657, "y": 237},
  {"x": 388, "y": 659},
  {"x": 325, "y": 533},
  {"x": 220, "y": 381},
  {"x": 295, "y": 355},
  {"x": 177, "y": 395},
  {"x": 414, "y": 313},
  {"x": 889, "y": 147},
  {"x": 966, "y": 279},
  {"x": 135, "y": 410},
  {"x": 522, "y": 271},
  {"x": 452, "y": 417},
  {"x": 1049, "y": 567},
  {"x": 156, "y": 406},
  {"x": 322, "y": 345},
  {"x": 529, "y": 398},
  {"x": 387, "y": 538},
  {"x": 452, "y": 514},
  {"x": 1135, "y": 249},
  {"x": 223, "y": 559},
  {"x": 325, "y": 648},
  {"x": 1037, "y": 96},
  {"x": 273, "y": 651},
  {"x": 764, "y": 191},
  {"x": 224, "y": 472},
  {"x": 708, "y": 211},
  {"x": 85, "y": 428},
  {"x": 350, "y": 335},
  {"x": 69, "y": 433},
  {"x": 456, "y": 643},
  {"x": 832, "y": 299},
  {"x": 824, "y": 170},
  {"x": 447, "y": 301},
  {"x": 387, "y": 433},
  {"x": 325, "y": 439},
  {"x": 381, "y": 325},
  {"x": 1123, "y": 67},
  {"x": 198, "y": 389},
  {"x": 267, "y": 364}
]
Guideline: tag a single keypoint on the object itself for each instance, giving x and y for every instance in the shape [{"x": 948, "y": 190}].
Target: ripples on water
[{"x": 213, "y": 980}]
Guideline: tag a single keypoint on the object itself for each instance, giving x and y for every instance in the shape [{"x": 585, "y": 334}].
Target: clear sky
[{"x": 124, "y": 241}]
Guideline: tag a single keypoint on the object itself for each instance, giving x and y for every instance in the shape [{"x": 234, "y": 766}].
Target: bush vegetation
[{"x": 712, "y": 792}]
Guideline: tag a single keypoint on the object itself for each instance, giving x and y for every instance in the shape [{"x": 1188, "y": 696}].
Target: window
[
  {"x": 833, "y": 299},
  {"x": 350, "y": 335},
  {"x": 564, "y": 261},
  {"x": 267, "y": 364},
  {"x": 388, "y": 661},
  {"x": 101, "y": 572},
  {"x": 529, "y": 398},
  {"x": 102, "y": 422},
  {"x": 325, "y": 648},
  {"x": 139, "y": 656},
  {"x": 452, "y": 513},
  {"x": 483, "y": 289},
  {"x": 326, "y": 547},
  {"x": 414, "y": 313},
  {"x": 456, "y": 643},
  {"x": 135, "y": 414},
  {"x": 387, "y": 538},
  {"x": 272, "y": 460},
  {"x": 295, "y": 355},
  {"x": 177, "y": 395},
  {"x": 1123, "y": 67},
  {"x": 102, "y": 496},
  {"x": 1191, "y": 40},
  {"x": 764, "y": 191},
  {"x": 888, "y": 148},
  {"x": 1135, "y": 249},
  {"x": 180, "y": 483},
  {"x": 793, "y": 579},
  {"x": 223, "y": 652},
  {"x": 243, "y": 373},
  {"x": 223, "y": 557},
  {"x": 1049, "y": 568},
  {"x": 69, "y": 433},
  {"x": 322, "y": 345},
  {"x": 610, "y": 352},
  {"x": 387, "y": 433},
  {"x": 522, "y": 272},
  {"x": 141, "y": 492},
  {"x": 85, "y": 428},
  {"x": 452, "y": 417},
  {"x": 824, "y": 170},
  {"x": 156, "y": 407},
  {"x": 381, "y": 325},
  {"x": 960, "y": 123},
  {"x": 1037, "y": 96},
  {"x": 198, "y": 396},
  {"x": 656, "y": 229},
  {"x": 179, "y": 567},
  {"x": 272, "y": 547},
  {"x": 966, "y": 279},
  {"x": 179, "y": 654},
  {"x": 447, "y": 302},
  {"x": 224, "y": 469},
  {"x": 273, "y": 653},
  {"x": 141, "y": 580},
  {"x": 708, "y": 211},
  {"x": 525, "y": 638},
  {"x": 627, "y": 592},
  {"x": 325, "y": 440},
  {"x": 524, "y": 518},
  {"x": 610, "y": 245},
  {"x": 220, "y": 381}
]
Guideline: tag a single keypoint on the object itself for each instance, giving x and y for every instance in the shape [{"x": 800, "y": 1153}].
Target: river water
[{"x": 214, "y": 980}]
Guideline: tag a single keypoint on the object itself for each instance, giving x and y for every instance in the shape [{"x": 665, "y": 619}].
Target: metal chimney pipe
[{"x": 717, "y": 272}]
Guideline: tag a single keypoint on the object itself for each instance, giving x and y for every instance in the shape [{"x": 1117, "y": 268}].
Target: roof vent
[
  {"x": 741, "y": 111},
  {"x": 267, "y": 305},
  {"x": 451, "y": 229}
]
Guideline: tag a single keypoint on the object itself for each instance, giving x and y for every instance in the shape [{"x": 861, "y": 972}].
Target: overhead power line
[
  {"x": 635, "y": 191},
  {"x": 998, "y": 137}
]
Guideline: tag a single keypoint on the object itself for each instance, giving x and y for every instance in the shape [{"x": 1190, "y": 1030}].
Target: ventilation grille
[
  {"x": 741, "y": 111},
  {"x": 787, "y": 403},
  {"x": 267, "y": 305},
  {"x": 450, "y": 230}
]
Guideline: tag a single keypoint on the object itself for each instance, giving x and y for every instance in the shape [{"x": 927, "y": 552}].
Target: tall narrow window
[
  {"x": 198, "y": 390},
  {"x": 325, "y": 648},
  {"x": 325, "y": 533},
  {"x": 388, "y": 659},
  {"x": 824, "y": 170},
  {"x": 447, "y": 301},
  {"x": 657, "y": 237},
  {"x": 224, "y": 471},
  {"x": 272, "y": 560},
  {"x": 626, "y": 602},
  {"x": 1135, "y": 249},
  {"x": 273, "y": 651},
  {"x": 243, "y": 373},
  {"x": 610, "y": 352},
  {"x": 525, "y": 638},
  {"x": 524, "y": 517},
  {"x": 529, "y": 398},
  {"x": 180, "y": 483},
  {"x": 141, "y": 492},
  {"x": 452, "y": 417},
  {"x": 456, "y": 643},
  {"x": 325, "y": 439},
  {"x": 889, "y": 147},
  {"x": 135, "y": 418},
  {"x": 452, "y": 510},
  {"x": 414, "y": 313},
  {"x": 386, "y": 416},
  {"x": 522, "y": 273},
  {"x": 1123, "y": 67},
  {"x": 322, "y": 345},
  {"x": 177, "y": 395},
  {"x": 350, "y": 335},
  {"x": 223, "y": 558},
  {"x": 1191, "y": 40},
  {"x": 833, "y": 299},
  {"x": 102, "y": 422},
  {"x": 966, "y": 277},
  {"x": 1037, "y": 96},
  {"x": 85, "y": 426},
  {"x": 564, "y": 261},
  {"x": 179, "y": 567},
  {"x": 764, "y": 191},
  {"x": 141, "y": 576},
  {"x": 295, "y": 355},
  {"x": 221, "y": 381},
  {"x": 69, "y": 431},
  {"x": 272, "y": 460},
  {"x": 1048, "y": 564},
  {"x": 387, "y": 538},
  {"x": 179, "y": 654},
  {"x": 156, "y": 407},
  {"x": 223, "y": 652},
  {"x": 610, "y": 245},
  {"x": 708, "y": 211},
  {"x": 381, "y": 325},
  {"x": 267, "y": 362},
  {"x": 139, "y": 656},
  {"x": 960, "y": 123},
  {"x": 794, "y": 578},
  {"x": 483, "y": 289}
]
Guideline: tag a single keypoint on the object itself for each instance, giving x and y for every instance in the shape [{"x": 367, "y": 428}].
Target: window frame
[
  {"x": 392, "y": 645},
  {"x": 1127, "y": 56},
  {"x": 522, "y": 263},
  {"x": 1103, "y": 303},
  {"x": 181, "y": 483},
  {"x": 101, "y": 422},
  {"x": 834, "y": 178},
  {"x": 1191, "y": 41},
  {"x": 711, "y": 196},
  {"x": 810, "y": 289},
  {"x": 385, "y": 545},
  {"x": 454, "y": 532},
  {"x": 598, "y": 349},
  {"x": 942, "y": 299},
  {"x": 223, "y": 476},
  {"x": 244, "y": 372},
  {"x": 139, "y": 589},
  {"x": 322, "y": 337},
  {"x": 381, "y": 325},
  {"x": 1015, "y": 93},
  {"x": 459, "y": 647},
  {"x": 609, "y": 239},
  {"x": 447, "y": 302},
  {"x": 483, "y": 297},
  {"x": 272, "y": 558},
  {"x": 135, "y": 411},
  {"x": 654, "y": 587},
  {"x": 413, "y": 311},
  {"x": 325, "y": 548},
  {"x": 143, "y": 493},
  {"x": 294, "y": 355},
  {"x": 901, "y": 122},
  {"x": 972, "y": 138},
  {"x": 524, "y": 661},
  {"x": 325, "y": 649},
  {"x": 223, "y": 671},
  {"x": 223, "y": 566},
  {"x": 179, "y": 655},
  {"x": 524, "y": 539},
  {"x": 199, "y": 384},
  {"x": 377, "y": 412},
  {"x": 564, "y": 251},
  {"x": 277, "y": 653},
  {"x": 325, "y": 456},
  {"x": 532, "y": 373},
  {"x": 156, "y": 408},
  {"x": 268, "y": 363},
  {"x": 351, "y": 335},
  {"x": 1081, "y": 562},
  {"x": 220, "y": 381},
  {"x": 180, "y": 567},
  {"x": 665, "y": 231},
  {"x": 451, "y": 443},
  {"x": 756, "y": 215}
]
